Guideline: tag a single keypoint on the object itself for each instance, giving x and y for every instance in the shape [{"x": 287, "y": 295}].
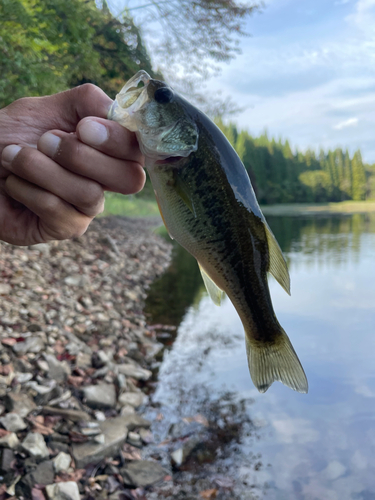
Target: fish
[{"x": 208, "y": 206}]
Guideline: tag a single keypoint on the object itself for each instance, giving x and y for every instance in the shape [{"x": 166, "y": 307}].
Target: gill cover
[{"x": 158, "y": 117}]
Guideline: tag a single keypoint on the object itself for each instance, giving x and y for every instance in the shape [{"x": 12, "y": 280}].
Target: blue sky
[{"x": 307, "y": 74}]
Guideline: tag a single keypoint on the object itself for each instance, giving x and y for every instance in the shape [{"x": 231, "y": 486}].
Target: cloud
[
  {"x": 295, "y": 430},
  {"x": 351, "y": 122},
  {"x": 363, "y": 16}
]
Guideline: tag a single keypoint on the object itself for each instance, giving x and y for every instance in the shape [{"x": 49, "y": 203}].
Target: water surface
[{"x": 319, "y": 446}]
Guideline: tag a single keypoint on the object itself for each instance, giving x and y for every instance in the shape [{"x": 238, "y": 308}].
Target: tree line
[{"x": 280, "y": 175}]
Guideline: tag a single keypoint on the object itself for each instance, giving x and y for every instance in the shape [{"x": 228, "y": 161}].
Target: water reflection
[{"x": 320, "y": 446}]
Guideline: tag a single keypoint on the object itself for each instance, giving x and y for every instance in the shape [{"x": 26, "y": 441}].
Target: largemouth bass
[{"x": 208, "y": 205}]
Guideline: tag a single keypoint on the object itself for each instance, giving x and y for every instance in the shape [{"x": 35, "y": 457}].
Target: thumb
[{"x": 82, "y": 101}]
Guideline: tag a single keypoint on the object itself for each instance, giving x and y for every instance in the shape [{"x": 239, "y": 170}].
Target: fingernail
[
  {"x": 93, "y": 133},
  {"x": 49, "y": 144},
  {"x": 9, "y": 153}
]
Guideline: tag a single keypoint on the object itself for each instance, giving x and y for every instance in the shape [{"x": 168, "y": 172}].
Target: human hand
[{"x": 58, "y": 155}]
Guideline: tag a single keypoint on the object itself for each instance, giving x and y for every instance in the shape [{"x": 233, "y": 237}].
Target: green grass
[
  {"x": 129, "y": 206},
  {"x": 137, "y": 206}
]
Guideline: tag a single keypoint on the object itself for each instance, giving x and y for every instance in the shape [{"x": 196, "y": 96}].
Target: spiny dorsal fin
[
  {"x": 277, "y": 267},
  {"x": 213, "y": 290}
]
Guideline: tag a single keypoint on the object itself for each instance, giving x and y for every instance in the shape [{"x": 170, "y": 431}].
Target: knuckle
[
  {"x": 68, "y": 228},
  {"x": 25, "y": 162},
  {"x": 92, "y": 198},
  {"x": 89, "y": 90}
]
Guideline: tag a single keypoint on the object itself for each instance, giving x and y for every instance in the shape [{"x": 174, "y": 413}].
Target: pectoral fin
[
  {"x": 213, "y": 290},
  {"x": 183, "y": 191},
  {"x": 277, "y": 266}
]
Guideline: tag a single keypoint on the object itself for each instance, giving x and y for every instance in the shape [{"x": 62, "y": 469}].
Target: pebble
[
  {"x": 142, "y": 473},
  {"x": 61, "y": 462},
  {"x": 57, "y": 370},
  {"x": 9, "y": 440},
  {"x": 100, "y": 396},
  {"x": 63, "y": 491},
  {"x": 19, "y": 403},
  {"x": 134, "y": 399},
  {"x": 133, "y": 371},
  {"x": 35, "y": 445},
  {"x": 115, "y": 432},
  {"x": 13, "y": 422},
  {"x": 32, "y": 345}
]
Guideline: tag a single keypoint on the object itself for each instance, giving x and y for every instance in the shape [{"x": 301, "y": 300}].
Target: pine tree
[{"x": 359, "y": 177}]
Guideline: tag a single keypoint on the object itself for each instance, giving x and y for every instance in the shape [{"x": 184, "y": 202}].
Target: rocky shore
[{"x": 75, "y": 352}]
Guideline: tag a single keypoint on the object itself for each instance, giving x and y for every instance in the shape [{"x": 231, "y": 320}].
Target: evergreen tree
[{"x": 359, "y": 177}]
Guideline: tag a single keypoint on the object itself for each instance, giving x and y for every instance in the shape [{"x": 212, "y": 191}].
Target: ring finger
[{"x": 86, "y": 195}]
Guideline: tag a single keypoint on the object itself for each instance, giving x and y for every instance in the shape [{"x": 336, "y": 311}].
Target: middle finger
[{"x": 122, "y": 176}]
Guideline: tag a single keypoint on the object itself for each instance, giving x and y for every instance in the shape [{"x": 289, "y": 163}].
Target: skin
[{"x": 58, "y": 156}]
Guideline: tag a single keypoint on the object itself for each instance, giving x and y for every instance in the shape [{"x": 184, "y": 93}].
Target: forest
[
  {"x": 280, "y": 175},
  {"x": 47, "y": 46}
]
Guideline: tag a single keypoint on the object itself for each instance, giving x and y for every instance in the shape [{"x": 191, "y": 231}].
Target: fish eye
[{"x": 163, "y": 95}]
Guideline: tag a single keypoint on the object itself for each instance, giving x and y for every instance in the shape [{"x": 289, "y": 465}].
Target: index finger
[{"x": 110, "y": 138}]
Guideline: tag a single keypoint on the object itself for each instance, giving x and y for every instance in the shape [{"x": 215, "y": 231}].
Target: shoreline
[
  {"x": 75, "y": 352},
  {"x": 298, "y": 209}
]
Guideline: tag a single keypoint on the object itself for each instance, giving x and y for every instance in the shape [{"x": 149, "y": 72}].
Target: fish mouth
[
  {"x": 170, "y": 160},
  {"x": 130, "y": 100}
]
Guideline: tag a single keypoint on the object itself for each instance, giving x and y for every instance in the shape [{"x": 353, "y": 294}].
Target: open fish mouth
[{"x": 129, "y": 100}]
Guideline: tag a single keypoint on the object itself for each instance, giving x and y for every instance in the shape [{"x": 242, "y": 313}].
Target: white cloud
[
  {"x": 364, "y": 16},
  {"x": 295, "y": 430},
  {"x": 351, "y": 122}
]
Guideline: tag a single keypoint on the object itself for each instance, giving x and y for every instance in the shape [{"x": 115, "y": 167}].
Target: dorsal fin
[
  {"x": 277, "y": 266},
  {"x": 213, "y": 290}
]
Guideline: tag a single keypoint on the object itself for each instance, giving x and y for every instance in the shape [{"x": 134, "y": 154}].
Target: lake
[{"x": 319, "y": 446}]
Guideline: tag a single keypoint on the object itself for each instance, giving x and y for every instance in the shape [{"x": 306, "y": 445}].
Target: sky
[{"x": 306, "y": 74}]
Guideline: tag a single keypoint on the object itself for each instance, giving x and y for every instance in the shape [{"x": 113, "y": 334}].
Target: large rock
[
  {"x": 100, "y": 396},
  {"x": 35, "y": 445},
  {"x": 115, "y": 432},
  {"x": 63, "y": 491},
  {"x": 141, "y": 473}
]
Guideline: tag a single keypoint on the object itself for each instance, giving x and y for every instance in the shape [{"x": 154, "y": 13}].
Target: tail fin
[{"x": 275, "y": 361}]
